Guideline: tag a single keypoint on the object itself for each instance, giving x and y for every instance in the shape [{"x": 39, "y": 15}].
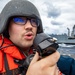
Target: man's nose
[{"x": 28, "y": 25}]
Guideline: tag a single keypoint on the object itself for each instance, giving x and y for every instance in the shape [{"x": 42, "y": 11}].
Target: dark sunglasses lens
[
  {"x": 18, "y": 20},
  {"x": 35, "y": 22}
]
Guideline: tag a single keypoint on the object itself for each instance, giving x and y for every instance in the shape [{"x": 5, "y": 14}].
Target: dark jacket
[{"x": 66, "y": 65}]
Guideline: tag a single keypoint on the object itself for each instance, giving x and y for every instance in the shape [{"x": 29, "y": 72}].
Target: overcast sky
[{"x": 56, "y": 15}]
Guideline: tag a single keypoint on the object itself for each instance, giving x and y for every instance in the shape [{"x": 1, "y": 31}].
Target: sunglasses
[{"x": 23, "y": 20}]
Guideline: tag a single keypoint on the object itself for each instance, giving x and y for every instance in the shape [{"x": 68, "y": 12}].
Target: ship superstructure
[{"x": 65, "y": 38}]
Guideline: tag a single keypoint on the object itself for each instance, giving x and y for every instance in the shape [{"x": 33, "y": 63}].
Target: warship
[{"x": 65, "y": 38}]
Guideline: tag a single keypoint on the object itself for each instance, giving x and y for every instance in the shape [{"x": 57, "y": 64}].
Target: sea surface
[{"x": 66, "y": 49}]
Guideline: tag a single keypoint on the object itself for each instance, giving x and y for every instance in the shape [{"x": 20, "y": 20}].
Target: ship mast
[{"x": 68, "y": 31}]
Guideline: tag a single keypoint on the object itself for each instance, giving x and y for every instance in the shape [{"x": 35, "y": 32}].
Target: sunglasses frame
[{"x": 25, "y": 19}]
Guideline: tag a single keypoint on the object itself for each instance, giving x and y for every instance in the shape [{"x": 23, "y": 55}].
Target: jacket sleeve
[{"x": 66, "y": 65}]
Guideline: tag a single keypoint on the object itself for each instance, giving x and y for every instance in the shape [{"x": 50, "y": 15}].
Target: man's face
[{"x": 22, "y": 33}]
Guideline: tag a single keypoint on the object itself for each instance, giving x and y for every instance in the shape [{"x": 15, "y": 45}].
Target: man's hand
[{"x": 45, "y": 66}]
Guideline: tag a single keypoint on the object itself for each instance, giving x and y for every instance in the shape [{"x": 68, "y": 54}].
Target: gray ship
[{"x": 65, "y": 38}]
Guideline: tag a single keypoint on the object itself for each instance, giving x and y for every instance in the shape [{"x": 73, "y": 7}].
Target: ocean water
[{"x": 66, "y": 49}]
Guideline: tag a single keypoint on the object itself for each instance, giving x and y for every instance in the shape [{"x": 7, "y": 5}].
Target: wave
[{"x": 66, "y": 45}]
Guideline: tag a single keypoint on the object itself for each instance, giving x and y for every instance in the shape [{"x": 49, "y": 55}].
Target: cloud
[
  {"x": 56, "y": 23},
  {"x": 53, "y": 11}
]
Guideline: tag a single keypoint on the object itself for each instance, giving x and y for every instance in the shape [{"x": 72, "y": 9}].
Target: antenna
[{"x": 68, "y": 31}]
